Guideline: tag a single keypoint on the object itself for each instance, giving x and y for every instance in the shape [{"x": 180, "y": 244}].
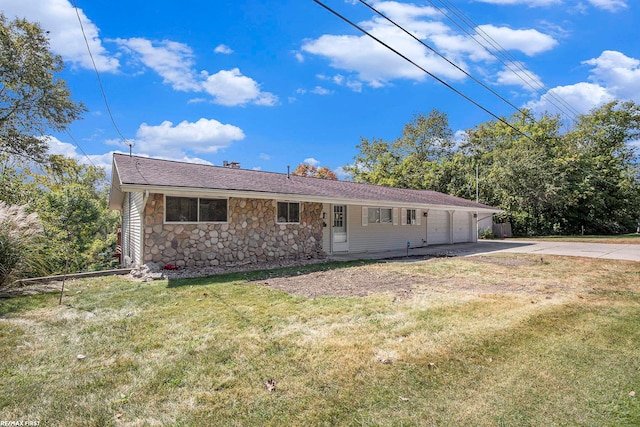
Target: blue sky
[{"x": 271, "y": 84}]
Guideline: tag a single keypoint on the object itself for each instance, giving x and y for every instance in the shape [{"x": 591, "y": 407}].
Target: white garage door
[
  {"x": 462, "y": 227},
  {"x": 438, "y": 227}
]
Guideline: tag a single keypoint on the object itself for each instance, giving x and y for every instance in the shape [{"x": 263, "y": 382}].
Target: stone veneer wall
[{"x": 250, "y": 236}]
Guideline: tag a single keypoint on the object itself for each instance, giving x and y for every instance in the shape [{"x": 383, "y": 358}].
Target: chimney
[{"x": 231, "y": 165}]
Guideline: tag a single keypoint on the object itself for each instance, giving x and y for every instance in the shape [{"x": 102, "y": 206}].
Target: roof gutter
[{"x": 201, "y": 192}]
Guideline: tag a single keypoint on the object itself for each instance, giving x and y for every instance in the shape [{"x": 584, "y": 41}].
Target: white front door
[{"x": 339, "y": 224}]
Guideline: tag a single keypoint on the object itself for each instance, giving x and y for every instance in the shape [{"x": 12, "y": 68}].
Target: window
[
  {"x": 411, "y": 216},
  {"x": 213, "y": 210},
  {"x": 288, "y": 212},
  {"x": 194, "y": 209},
  {"x": 380, "y": 216}
]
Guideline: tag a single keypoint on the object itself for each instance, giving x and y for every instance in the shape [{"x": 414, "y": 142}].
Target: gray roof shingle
[{"x": 134, "y": 170}]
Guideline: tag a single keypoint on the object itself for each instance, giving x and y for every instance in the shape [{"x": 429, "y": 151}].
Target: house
[{"x": 199, "y": 215}]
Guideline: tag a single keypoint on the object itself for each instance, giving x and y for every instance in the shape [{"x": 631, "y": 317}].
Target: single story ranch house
[{"x": 199, "y": 215}]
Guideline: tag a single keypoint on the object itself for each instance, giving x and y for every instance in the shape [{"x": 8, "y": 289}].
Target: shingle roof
[{"x": 134, "y": 170}]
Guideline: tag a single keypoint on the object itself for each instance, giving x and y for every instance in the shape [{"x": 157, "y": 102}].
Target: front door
[{"x": 340, "y": 240}]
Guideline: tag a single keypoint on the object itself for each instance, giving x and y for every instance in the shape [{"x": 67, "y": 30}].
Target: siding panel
[
  {"x": 132, "y": 229},
  {"x": 379, "y": 237}
]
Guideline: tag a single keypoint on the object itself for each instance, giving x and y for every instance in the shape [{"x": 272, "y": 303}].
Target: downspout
[
  {"x": 142, "y": 221},
  {"x": 426, "y": 227}
]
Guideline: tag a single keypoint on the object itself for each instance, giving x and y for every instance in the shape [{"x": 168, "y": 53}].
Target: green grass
[
  {"x": 631, "y": 238},
  {"x": 503, "y": 340}
]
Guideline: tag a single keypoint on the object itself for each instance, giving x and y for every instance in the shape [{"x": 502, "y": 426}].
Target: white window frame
[
  {"x": 288, "y": 202},
  {"x": 197, "y": 210},
  {"x": 377, "y": 215}
]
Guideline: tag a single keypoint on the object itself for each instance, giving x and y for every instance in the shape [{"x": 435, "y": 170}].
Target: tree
[
  {"x": 305, "y": 169},
  {"x": 33, "y": 100},
  {"x": 416, "y": 159},
  {"x": 605, "y": 169}
]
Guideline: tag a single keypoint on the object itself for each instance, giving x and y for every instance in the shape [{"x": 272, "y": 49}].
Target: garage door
[
  {"x": 438, "y": 227},
  {"x": 462, "y": 227}
]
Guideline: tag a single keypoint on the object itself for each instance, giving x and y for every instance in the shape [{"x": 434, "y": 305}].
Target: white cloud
[
  {"x": 582, "y": 97},
  {"x": 618, "y": 72},
  {"x": 174, "y": 62},
  {"x": 65, "y": 35},
  {"x": 311, "y": 161},
  {"x": 70, "y": 150},
  {"x": 202, "y": 136},
  {"x": 610, "y": 5},
  {"x": 299, "y": 56},
  {"x": 524, "y": 78},
  {"x": 319, "y": 90},
  {"x": 230, "y": 87},
  {"x": 530, "y": 42},
  {"x": 264, "y": 156},
  {"x": 375, "y": 65},
  {"x": 342, "y": 174},
  {"x": 613, "y": 76},
  {"x": 223, "y": 49},
  {"x": 171, "y": 60}
]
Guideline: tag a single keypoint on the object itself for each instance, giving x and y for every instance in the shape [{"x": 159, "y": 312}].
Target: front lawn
[{"x": 508, "y": 340}]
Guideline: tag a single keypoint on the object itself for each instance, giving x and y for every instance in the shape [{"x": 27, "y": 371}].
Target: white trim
[
  {"x": 202, "y": 192},
  {"x": 299, "y": 211},
  {"x": 365, "y": 216},
  {"x": 164, "y": 216}
]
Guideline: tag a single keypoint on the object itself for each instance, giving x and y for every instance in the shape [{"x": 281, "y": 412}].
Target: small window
[
  {"x": 411, "y": 216},
  {"x": 380, "y": 216},
  {"x": 193, "y": 209},
  {"x": 288, "y": 212}
]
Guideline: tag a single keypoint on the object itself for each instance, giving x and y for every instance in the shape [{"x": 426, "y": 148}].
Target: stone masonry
[{"x": 250, "y": 236}]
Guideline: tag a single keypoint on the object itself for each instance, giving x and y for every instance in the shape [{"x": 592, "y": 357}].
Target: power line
[
  {"x": 509, "y": 61},
  {"x": 95, "y": 68},
  {"x": 442, "y": 56},
  {"x": 80, "y": 148},
  {"x": 458, "y": 92},
  {"x": 568, "y": 162}
]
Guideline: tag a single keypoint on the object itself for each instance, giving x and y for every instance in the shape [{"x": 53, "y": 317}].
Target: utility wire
[
  {"x": 80, "y": 148},
  {"x": 104, "y": 94},
  {"x": 442, "y": 56},
  {"x": 568, "y": 162},
  {"x": 509, "y": 61},
  {"x": 458, "y": 92}
]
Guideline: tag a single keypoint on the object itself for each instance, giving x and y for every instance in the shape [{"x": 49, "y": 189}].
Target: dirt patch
[{"x": 350, "y": 282}]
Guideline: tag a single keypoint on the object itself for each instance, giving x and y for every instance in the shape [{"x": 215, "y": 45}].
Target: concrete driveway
[
  {"x": 589, "y": 250},
  {"x": 484, "y": 247}
]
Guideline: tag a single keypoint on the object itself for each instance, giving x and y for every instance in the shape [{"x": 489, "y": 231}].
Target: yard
[{"x": 491, "y": 340}]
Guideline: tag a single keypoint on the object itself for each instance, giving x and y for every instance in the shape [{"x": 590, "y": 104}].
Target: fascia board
[
  {"x": 203, "y": 192},
  {"x": 116, "y": 195}
]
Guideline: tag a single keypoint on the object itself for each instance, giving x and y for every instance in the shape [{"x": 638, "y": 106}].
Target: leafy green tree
[
  {"x": 604, "y": 169},
  {"x": 33, "y": 100},
  {"x": 416, "y": 159}
]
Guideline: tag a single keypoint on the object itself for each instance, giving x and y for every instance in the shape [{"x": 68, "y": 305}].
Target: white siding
[
  {"x": 132, "y": 229},
  {"x": 438, "y": 222},
  {"x": 462, "y": 227},
  {"x": 379, "y": 237}
]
